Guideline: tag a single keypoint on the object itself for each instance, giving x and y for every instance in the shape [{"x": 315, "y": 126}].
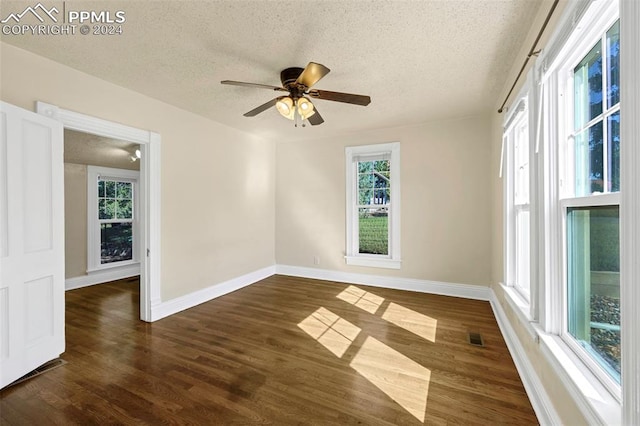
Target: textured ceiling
[
  {"x": 84, "y": 148},
  {"x": 418, "y": 60}
]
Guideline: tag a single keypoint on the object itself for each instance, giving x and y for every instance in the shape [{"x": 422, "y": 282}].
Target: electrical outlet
[{"x": 316, "y": 260}]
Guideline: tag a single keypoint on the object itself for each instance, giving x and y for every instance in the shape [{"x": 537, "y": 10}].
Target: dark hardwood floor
[{"x": 282, "y": 351}]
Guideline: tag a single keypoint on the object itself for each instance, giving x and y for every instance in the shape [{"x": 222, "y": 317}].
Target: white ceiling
[
  {"x": 85, "y": 148},
  {"x": 418, "y": 60}
]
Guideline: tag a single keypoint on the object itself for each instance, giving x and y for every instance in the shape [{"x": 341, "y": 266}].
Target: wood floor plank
[{"x": 282, "y": 351}]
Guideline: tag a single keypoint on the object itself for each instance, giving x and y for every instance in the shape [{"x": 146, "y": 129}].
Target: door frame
[{"x": 149, "y": 192}]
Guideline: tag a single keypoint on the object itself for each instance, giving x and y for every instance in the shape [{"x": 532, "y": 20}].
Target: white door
[{"x": 31, "y": 241}]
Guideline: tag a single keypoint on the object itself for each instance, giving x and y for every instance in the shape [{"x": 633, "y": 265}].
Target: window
[
  {"x": 517, "y": 205},
  {"x": 587, "y": 267},
  {"x": 580, "y": 188},
  {"x": 112, "y": 217},
  {"x": 589, "y": 203},
  {"x": 373, "y": 205}
]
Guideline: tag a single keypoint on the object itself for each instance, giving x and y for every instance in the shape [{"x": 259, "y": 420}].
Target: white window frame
[
  {"x": 518, "y": 120},
  {"x": 93, "y": 224},
  {"x": 595, "y": 393},
  {"x": 593, "y": 25},
  {"x": 353, "y": 257}
]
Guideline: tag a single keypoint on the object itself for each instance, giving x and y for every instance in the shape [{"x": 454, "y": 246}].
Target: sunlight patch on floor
[
  {"x": 415, "y": 322},
  {"x": 402, "y": 379},
  {"x": 333, "y": 332},
  {"x": 361, "y": 298}
]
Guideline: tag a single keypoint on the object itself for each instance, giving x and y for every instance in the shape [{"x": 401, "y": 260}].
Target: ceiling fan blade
[
  {"x": 312, "y": 74},
  {"x": 348, "y": 98},
  {"x": 261, "y": 108},
  {"x": 260, "y": 86},
  {"x": 316, "y": 118}
]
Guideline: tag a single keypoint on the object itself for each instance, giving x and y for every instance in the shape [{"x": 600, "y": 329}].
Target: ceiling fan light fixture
[
  {"x": 305, "y": 108},
  {"x": 285, "y": 107}
]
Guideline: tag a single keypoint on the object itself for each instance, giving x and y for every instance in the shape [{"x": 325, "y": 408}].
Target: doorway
[
  {"x": 102, "y": 222},
  {"x": 149, "y": 192}
]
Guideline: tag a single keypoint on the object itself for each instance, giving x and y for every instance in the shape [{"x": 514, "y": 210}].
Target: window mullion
[{"x": 605, "y": 107}]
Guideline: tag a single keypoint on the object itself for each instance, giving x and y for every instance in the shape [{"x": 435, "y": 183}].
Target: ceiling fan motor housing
[{"x": 289, "y": 76}]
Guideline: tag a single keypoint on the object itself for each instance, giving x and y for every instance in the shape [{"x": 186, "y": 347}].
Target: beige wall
[
  {"x": 445, "y": 210},
  {"x": 217, "y": 183},
  {"x": 75, "y": 220}
]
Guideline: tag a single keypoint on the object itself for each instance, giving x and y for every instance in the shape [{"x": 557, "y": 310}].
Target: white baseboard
[
  {"x": 103, "y": 276},
  {"x": 542, "y": 405},
  {"x": 190, "y": 300},
  {"x": 467, "y": 291}
]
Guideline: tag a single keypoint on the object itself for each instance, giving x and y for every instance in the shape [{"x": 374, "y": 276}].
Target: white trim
[
  {"x": 521, "y": 116},
  {"x": 373, "y": 262},
  {"x": 190, "y": 300},
  {"x": 594, "y": 401},
  {"x": 353, "y": 257},
  {"x": 79, "y": 122},
  {"x": 630, "y": 209},
  {"x": 467, "y": 291},
  {"x": 150, "y": 179},
  {"x": 521, "y": 308},
  {"x": 540, "y": 400},
  {"x": 100, "y": 277},
  {"x": 151, "y": 207}
]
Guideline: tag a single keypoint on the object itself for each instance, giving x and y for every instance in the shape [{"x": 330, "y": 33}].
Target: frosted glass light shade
[
  {"x": 285, "y": 107},
  {"x": 305, "y": 108}
]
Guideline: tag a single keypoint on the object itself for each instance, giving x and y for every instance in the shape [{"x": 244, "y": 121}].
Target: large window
[
  {"x": 517, "y": 203},
  {"x": 561, "y": 164},
  {"x": 112, "y": 217},
  {"x": 373, "y": 185},
  {"x": 589, "y": 203}
]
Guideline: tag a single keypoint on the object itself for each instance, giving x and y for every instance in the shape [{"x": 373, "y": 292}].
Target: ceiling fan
[{"x": 298, "y": 82}]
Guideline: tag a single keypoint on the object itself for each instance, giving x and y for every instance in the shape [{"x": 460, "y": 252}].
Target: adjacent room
[{"x": 335, "y": 212}]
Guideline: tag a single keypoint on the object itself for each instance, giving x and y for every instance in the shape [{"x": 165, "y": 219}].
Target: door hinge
[{"x": 148, "y": 252}]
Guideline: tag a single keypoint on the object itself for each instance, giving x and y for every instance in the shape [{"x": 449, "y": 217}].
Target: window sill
[
  {"x": 522, "y": 309},
  {"x": 595, "y": 402},
  {"x": 112, "y": 266},
  {"x": 373, "y": 262}
]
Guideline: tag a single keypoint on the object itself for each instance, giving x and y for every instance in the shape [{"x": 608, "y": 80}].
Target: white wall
[
  {"x": 446, "y": 210},
  {"x": 217, "y": 183}
]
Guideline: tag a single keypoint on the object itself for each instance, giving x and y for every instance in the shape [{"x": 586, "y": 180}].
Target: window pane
[
  {"x": 109, "y": 210},
  {"x": 123, "y": 190},
  {"x": 110, "y": 189},
  {"x": 521, "y": 164},
  {"x": 373, "y": 182},
  {"x": 124, "y": 209},
  {"x": 365, "y": 196},
  {"x": 102, "y": 209},
  {"x": 593, "y": 252},
  {"x": 116, "y": 242},
  {"x": 588, "y": 88},
  {"x": 373, "y": 230},
  {"x": 522, "y": 251},
  {"x": 101, "y": 188},
  {"x": 613, "y": 67},
  {"x": 589, "y": 161},
  {"x": 613, "y": 131}
]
